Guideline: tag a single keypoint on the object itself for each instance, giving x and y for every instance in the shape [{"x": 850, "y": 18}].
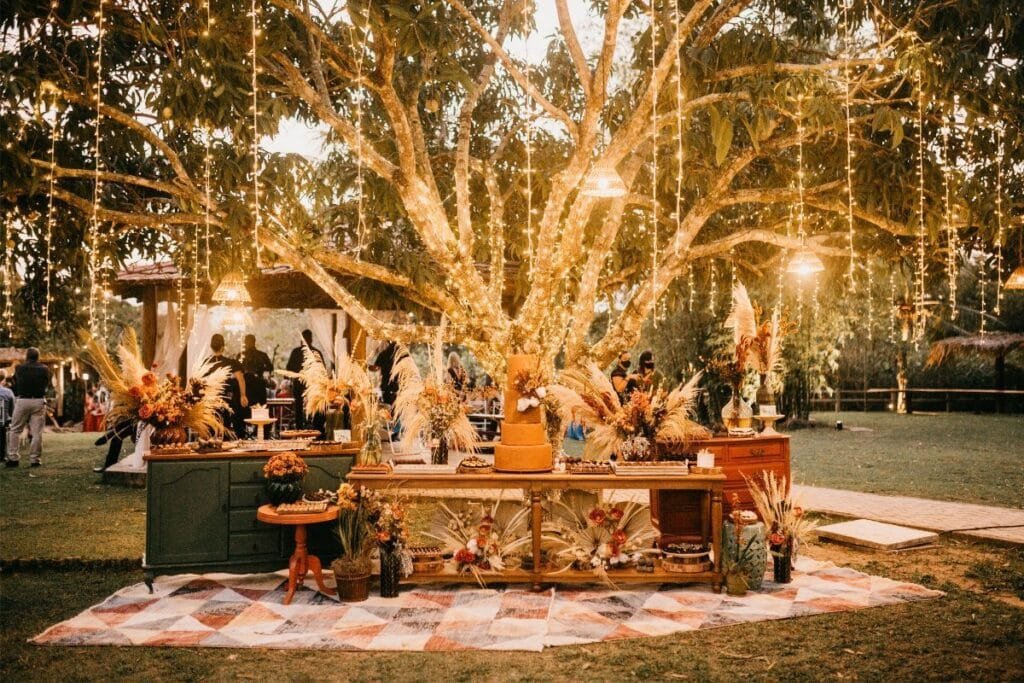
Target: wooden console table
[{"x": 710, "y": 487}]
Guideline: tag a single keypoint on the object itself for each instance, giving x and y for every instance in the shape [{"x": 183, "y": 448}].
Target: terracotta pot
[
  {"x": 735, "y": 585},
  {"x": 352, "y": 587}
]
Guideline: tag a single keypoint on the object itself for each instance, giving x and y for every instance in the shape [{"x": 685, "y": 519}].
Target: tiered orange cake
[{"x": 524, "y": 446}]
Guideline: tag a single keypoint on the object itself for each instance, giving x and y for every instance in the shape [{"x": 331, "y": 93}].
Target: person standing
[
  {"x": 6, "y": 411},
  {"x": 383, "y": 363},
  {"x": 295, "y": 360},
  {"x": 457, "y": 376},
  {"x": 647, "y": 378},
  {"x": 255, "y": 366},
  {"x": 31, "y": 380},
  {"x": 621, "y": 376},
  {"x": 234, "y": 388}
]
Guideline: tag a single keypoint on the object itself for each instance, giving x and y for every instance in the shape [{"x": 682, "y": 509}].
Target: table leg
[
  {"x": 716, "y": 534},
  {"x": 535, "y": 532},
  {"x": 705, "y": 517},
  {"x": 297, "y": 563},
  {"x": 316, "y": 567}
]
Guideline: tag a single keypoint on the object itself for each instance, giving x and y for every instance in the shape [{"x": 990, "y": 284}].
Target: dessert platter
[
  {"x": 646, "y": 468},
  {"x": 172, "y": 449},
  {"x": 302, "y": 508},
  {"x": 321, "y": 495},
  {"x": 374, "y": 468},
  {"x": 580, "y": 466},
  {"x": 475, "y": 465},
  {"x": 299, "y": 433},
  {"x": 272, "y": 445},
  {"x": 686, "y": 558},
  {"x": 423, "y": 467},
  {"x": 426, "y": 558}
]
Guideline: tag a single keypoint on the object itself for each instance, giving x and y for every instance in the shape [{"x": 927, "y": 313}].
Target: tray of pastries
[
  {"x": 426, "y": 558},
  {"x": 373, "y": 468},
  {"x": 580, "y": 466},
  {"x": 645, "y": 468},
  {"x": 172, "y": 449},
  {"x": 299, "y": 433},
  {"x": 325, "y": 445},
  {"x": 475, "y": 465},
  {"x": 305, "y": 507}
]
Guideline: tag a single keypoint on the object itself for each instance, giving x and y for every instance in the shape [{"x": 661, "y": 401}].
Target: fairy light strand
[
  {"x": 357, "y": 96},
  {"x": 257, "y": 216},
  {"x": 654, "y": 165},
  {"x": 677, "y": 45},
  {"x": 921, "y": 232},
  {"x": 847, "y": 54},
  {"x": 800, "y": 166},
  {"x": 95, "y": 277},
  {"x": 50, "y": 216},
  {"x": 947, "y": 214},
  {"x": 1000, "y": 150},
  {"x": 528, "y": 108}
]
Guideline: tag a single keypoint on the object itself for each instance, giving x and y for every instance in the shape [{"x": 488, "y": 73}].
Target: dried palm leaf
[{"x": 741, "y": 320}]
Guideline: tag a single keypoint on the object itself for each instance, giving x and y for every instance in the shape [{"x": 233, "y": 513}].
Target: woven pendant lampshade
[
  {"x": 1016, "y": 279},
  {"x": 604, "y": 182},
  {"x": 231, "y": 290},
  {"x": 804, "y": 262}
]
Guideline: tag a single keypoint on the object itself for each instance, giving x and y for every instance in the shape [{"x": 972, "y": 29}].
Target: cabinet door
[{"x": 187, "y": 516}]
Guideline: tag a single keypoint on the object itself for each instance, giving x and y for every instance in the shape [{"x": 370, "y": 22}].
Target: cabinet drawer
[
  {"x": 247, "y": 495},
  {"x": 250, "y": 545},
  {"x": 755, "y": 450},
  {"x": 247, "y": 471},
  {"x": 245, "y": 520}
]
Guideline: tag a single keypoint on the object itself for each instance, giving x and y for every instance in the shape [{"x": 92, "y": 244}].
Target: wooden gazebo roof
[{"x": 278, "y": 286}]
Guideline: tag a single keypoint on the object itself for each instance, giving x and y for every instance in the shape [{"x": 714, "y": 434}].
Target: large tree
[{"x": 453, "y": 163}]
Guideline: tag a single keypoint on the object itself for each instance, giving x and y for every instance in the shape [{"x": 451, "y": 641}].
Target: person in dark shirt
[
  {"x": 621, "y": 376},
  {"x": 255, "y": 366},
  {"x": 383, "y": 363},
  {"x": 234, "y": 388},
  {"x": 31, "y": 380},
  {"x": 295, "y": 360},
  {"x": 647, "y": 378}
]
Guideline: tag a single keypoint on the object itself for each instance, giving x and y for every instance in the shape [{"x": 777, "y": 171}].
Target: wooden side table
[{"x": 301, "y": 561}]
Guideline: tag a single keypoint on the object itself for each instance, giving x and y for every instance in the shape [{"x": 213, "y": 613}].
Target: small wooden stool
[{"x": 301, "y": 561}]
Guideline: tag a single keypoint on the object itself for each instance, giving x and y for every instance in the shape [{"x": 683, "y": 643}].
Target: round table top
[{"x": 268, "y": 514}]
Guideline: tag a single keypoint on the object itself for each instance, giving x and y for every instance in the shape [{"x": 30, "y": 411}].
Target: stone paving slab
[
  {"x": 962, "y": 519},
  {"x": 878, "y": 535}
]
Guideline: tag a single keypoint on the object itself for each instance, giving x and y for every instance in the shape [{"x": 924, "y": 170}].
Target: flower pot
[
  {"x": 370, "y": 452},
  {"x": 758, "y": 562},
  {"x": 165, "y": 436},
  {"x": 735, "y": 585},
  {"x": 282, "y": 491},
  {"x": 352, "y": 587},
  {"x": 390, "y": 569},
  {"x": 439, "y": 452},
  {"x": 782, "y": 566},
  {"x": 737, "y": 413}
]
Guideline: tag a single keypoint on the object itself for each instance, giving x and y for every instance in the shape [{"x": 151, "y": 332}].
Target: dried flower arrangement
[
  {"x": 788, "y": 527},
  {"x": 140, "y": 396},
  {"x": 587, "y": 395},
  {"x": 483, "y": 540}
]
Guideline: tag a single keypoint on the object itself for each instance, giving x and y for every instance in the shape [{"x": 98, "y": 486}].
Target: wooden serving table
[{"x": 710, "y": 487}]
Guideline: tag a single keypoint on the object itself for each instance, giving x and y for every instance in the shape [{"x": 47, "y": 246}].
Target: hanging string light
[
  {"x": 527, "y": 106},
  {"x": 360, "y": 179},
  {"x": 804, "y": 262},
  {"x": 1000, "y": 150},
  {"x": 179, "y": 280},
  {"x": 257, "y": 216},
  {"x": 712, "y": 289},
  {"x": 870, "y": 296},
  {"x": 983, "y": 284},
  {"x": 96, "y": 300},
  {"x": 892, "y": 305},
  {"x": 947, "y": 219},
  {"x": 50, "y": 216},
  {"x": 654, "y": 162},
  {"x": 677, "y": 45},
  {"x": 847, "y": 54},
  {"x": 919, "y": 318},
  {"x": 689, "y": 287},
  {"x": 8, "y": 312}
]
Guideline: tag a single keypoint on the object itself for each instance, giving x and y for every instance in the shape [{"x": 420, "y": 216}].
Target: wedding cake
[
  {"x": 260, "y": 412},
  {"x": 524, "y": 445}
]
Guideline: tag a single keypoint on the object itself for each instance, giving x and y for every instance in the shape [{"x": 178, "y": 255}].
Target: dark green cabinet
[{"x": 201, "y": 516}]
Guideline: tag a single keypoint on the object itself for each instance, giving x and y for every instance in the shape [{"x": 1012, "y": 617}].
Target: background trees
[{"x": 452, "y": 163}]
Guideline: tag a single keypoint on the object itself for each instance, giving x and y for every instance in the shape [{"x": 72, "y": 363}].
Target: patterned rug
[{"x": 228, "y": 610}]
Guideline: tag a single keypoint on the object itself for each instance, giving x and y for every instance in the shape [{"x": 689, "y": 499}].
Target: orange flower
[
  {"x": 145, "y": 411},
  {"x": 383, "y": 536},
  {"x": 149, "y": 379}
]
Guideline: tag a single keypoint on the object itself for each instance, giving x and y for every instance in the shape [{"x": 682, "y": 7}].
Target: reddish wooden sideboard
[{"x": 677, "y": 514}]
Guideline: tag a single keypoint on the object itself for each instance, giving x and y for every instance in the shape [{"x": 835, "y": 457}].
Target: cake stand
[
  {"x": 261, "y": 424},
  {"x": 769, "y": 423}
]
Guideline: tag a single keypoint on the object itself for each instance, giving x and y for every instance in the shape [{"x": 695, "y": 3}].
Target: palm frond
[{"x": 741, "y": 320}]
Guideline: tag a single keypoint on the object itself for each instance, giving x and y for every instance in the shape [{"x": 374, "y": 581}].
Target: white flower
[
  {"x": 604, "y": 550},
  {"x": 623, "y": 559},
  {"x": 523, "y": 404},
  {"x": 541, "y": 392},
  {"x": 472, "y": 546},
  {"x": 595, "y": 561}
]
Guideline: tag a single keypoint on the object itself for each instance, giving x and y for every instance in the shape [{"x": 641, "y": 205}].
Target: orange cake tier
[
  {"x": 523, "y": 458},
  {"x": 520, "y": 434}
]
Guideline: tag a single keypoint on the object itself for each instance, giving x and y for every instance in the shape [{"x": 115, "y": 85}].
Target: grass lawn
[{"x": 955, "y": 456}]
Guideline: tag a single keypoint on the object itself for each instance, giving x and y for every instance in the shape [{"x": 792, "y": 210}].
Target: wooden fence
[{"x": 924, "y": 399}]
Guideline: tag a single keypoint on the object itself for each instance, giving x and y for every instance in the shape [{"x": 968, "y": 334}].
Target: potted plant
[
  {"x": 737, "y": 556},
  {"x": 284, "y": 473},
  {"x": 788, "y": 527},
  {"x": 352, "y": 568}
]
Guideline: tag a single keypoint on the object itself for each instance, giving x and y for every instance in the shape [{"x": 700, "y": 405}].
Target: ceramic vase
[
  {"x": 279, "y": 492},
  {"x": 755, "y": 569}
]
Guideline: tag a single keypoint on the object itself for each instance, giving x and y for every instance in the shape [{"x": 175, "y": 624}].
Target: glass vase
[
  {"x": 782, "y": 565},
  {"x": 737, "y": 413},
  {"x": 439, "y": 452},
  {"x": 370, "y": 452},
  {"x": 390, "y": 569}
]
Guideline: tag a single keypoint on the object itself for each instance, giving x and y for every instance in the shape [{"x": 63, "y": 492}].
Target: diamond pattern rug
[{"x": 229, "y": 610}]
